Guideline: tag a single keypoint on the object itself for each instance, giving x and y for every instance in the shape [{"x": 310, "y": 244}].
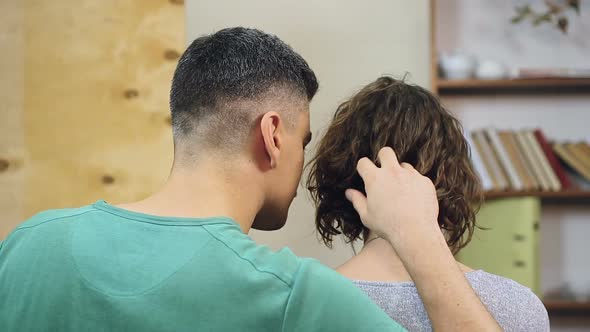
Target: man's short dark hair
[{"x": 220, "y": 75}]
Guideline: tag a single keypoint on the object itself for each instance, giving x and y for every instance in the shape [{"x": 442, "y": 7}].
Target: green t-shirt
[{"x": 101, "y": 268}]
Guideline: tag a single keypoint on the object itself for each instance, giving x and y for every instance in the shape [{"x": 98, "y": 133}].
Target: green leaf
[
  {"x": 542, "y": 18},
  {"x": 517, "y": 19}
]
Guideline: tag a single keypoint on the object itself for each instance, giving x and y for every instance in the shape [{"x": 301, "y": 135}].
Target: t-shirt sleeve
[{"x": 323, "y": 300}]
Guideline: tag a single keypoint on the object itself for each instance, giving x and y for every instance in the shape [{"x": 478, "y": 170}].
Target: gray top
[{"x": 515, "y": 307}]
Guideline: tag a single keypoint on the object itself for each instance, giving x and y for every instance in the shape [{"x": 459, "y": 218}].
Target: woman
[{"x": 409, "y": 119}]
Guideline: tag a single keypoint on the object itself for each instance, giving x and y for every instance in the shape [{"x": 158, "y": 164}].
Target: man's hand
[
  {"x": 401, "y": 207},
  {"x": 401, "y": 202}
]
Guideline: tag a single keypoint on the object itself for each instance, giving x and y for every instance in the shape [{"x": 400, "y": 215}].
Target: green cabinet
[{"x": 508, "y": 244}]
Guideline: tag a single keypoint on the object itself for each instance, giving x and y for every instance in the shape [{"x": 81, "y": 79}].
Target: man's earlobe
[{"x": 269, "y": 126}]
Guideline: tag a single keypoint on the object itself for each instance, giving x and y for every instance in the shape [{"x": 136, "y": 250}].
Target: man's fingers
[
  {"x": 387, "y": 157},
  {"x": 407, "y": 166},
  {"x": 366, "y": 169},
  {"x": 358, "y": 200}
]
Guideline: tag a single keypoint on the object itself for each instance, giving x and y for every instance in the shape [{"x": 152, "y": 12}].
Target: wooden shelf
[
  {"x": 507, "y": 86},
  {"x": 567, "y": 307},
  {"x": 568, "y": 195},
  {"x": 563, "y": 313}
]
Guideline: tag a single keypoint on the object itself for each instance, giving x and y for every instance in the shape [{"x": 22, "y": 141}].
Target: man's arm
[
  {"x": 323, "y": 300},
  {"x": 401, "y": 207}
]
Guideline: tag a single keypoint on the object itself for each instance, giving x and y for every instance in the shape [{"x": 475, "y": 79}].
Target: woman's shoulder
[
  {"x": 514, "y": 306},
  {"x": 495, "y": 284}
]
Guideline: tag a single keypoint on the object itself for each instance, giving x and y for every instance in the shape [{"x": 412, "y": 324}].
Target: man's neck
[{"x": 206, "y": 190}]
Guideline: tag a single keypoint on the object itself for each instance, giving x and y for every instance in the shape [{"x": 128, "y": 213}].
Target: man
[{"x": 181, "y": 260}]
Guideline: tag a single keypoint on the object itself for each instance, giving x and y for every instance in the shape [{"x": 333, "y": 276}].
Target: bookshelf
[
  {"x": 570, "y": 313},
  {"x": 578, "y": 195},
  {"x": 513, "y": 86},
  {"x": 576, "y": 312},
  {"x": 560, "y": 307}
]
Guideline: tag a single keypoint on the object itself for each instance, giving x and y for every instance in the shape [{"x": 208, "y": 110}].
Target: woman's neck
[{"x": 377, "y": 261}]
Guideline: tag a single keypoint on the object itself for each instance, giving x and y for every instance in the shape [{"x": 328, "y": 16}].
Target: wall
[
  {"x": 87, "y": 111},
  {"x": 482, "y": 28},
  {"x": 11, "y": 114},
  {"x": 348, "y": 44}
]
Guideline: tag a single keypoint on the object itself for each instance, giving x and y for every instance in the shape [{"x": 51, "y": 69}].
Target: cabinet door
[{"x": 508, "y": 243}]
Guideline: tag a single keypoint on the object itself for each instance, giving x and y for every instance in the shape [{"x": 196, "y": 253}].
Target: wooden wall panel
[
  {"x": 12, "y": 151},
  {"x": 96, "y": 82}
]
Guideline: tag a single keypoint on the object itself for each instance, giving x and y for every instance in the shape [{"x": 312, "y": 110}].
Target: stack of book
[{"x": 524, "y": 160}]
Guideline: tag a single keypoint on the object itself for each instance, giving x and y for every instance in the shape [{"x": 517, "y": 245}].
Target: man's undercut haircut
[{"x": 224, "y": 80}]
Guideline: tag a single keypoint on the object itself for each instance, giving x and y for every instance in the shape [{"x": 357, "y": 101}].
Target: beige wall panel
[
  {"x": 11, "y": 115},
  {"x": 96, "y": 117}
]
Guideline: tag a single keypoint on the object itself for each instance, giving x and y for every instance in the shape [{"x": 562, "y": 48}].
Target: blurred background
[{"x": 84, "y": 110}]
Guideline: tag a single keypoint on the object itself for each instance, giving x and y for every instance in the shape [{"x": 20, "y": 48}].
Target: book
[
  {"x": 494, "y": 170},
  {"x": 551, "y": 178},
  {"x": 479, "y": 166},
  {"x": 578, "y": 152},
  {"x": 481, "y": 147},
  {"x": 578, "y": 181},
  {"x": 577, "y": 149},
  {"x": 585, "y": 146},
  {"x": 570, "y": 160},
  {"x": 523, "y": 154},
  {"x": 531, "y": 160},
  {"x": 552, "y": 158},
  {"x": 508, "y": 243},
  {"x": 535, "y": 184},
  {"x": 504, "y": 159},
  {"x": 509, "y": 143}
]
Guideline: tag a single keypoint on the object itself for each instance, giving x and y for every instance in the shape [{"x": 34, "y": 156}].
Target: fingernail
[{"x": 348, "y": 195}]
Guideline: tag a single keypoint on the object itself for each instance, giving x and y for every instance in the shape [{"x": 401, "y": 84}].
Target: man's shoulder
[
  {"x": 282, "y": 264},
  {"x": 39, "y": 221},
  {"x": 46, "y": 216}
]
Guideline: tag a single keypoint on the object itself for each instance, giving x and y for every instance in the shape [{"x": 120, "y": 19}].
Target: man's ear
[{"x": 270, "y": 125}]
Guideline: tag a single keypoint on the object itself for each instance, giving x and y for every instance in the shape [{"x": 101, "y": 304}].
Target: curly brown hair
[{"x": 389, "y": 112}]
